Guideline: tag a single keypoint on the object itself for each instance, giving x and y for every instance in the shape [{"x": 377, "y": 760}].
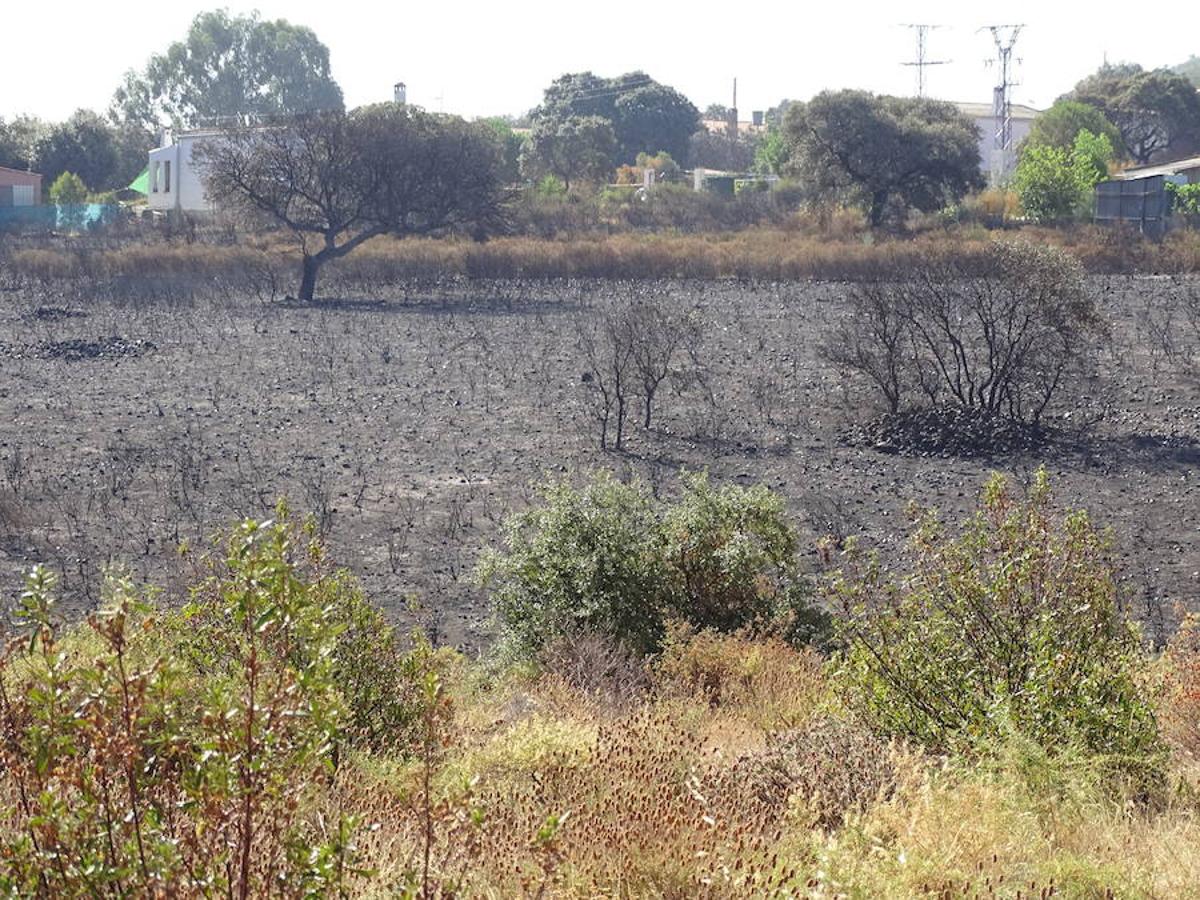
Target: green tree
[
  {"x": 772, "y": 156},
  {"x": 1157, "y": 111},
  {"x": 18, "y": 141},
  {"x": 586, "y": 561},
  {"x": 1054, "y": 184},
  {"x": 731, "y": 557},
  {"x": 106, "y": 157},
  {"x": 1190, "y": 69},
  {"x": 606, "y": 559},
  {"x": 571, "y": 149},
  {"x": 68, "y": 189},
  {"x": 645, "y": 116},
  {"x": 1014, "y": 623},
  {"x": 887, "y": 154},
  {"x": 230, "y": 65},
  {"x": 1058, "y": 126},
  {"x": 511, "y": 145},
  {"x": 336, "y": 179}
]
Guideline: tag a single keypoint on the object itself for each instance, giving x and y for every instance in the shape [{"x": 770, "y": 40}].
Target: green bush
[
  {"x": 1012, "y": 626},
  {"x": 583, "y": 561},
  {"x": 606, "y": 560},
  {"x": 731, "y": 556},
  {"x": 132, "y": 771}
]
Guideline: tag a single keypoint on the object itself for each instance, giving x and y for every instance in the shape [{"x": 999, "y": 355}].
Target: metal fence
[
  {"x": 1141, "y": 202},
  {"x": 73, "y": 217}
]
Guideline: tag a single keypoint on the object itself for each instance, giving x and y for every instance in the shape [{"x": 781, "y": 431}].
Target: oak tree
[{"x": 336, "y": 180}]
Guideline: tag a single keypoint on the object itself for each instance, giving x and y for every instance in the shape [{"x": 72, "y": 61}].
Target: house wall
[
  {"x": 186, "y": 192},
  {"x": 20, "y": 188},
  {"x": 987, "y": 143}
]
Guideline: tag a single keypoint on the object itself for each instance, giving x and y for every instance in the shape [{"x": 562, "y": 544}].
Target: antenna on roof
[{"x": 921, "y": 62}]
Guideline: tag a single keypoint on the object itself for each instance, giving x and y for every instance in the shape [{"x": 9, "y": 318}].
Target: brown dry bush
[
  {"x": 1180, "y": 712},
  {"x": 825, "y": 770},
  {"x": 758, "y": 253}
]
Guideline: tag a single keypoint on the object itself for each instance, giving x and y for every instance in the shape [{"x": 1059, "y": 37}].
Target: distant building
[
  {"x": 985, "y": 120},
  {"x": 1139, "y": 197},
  {"x": 173, "y": 182},
  {"x": 1181, "y": 171},
  {"x": 756, "y": 125},
  {"x": 19, "y": 188}
]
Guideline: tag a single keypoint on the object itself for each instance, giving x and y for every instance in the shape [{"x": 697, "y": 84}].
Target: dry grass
[
  {"x": 761, "y": 254},
  {"x": 735, "y": 775}
]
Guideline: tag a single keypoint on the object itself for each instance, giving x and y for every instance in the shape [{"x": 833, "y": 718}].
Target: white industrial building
[
  {"x": 992, "y": 161},
  {"x": 173, "y": 182}
]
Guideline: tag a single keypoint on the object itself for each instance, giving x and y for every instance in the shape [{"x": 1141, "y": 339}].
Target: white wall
[
  {"x": 987, "y": 142},
  {"x": 186, "y": 189}
]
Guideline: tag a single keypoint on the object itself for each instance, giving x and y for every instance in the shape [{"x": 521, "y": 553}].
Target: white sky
[{"x": 477, "y": 58}]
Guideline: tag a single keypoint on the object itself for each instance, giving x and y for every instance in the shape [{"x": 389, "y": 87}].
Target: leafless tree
[
  {"x": 608, "y": 350},
  {"x": 1004, "y": 332},
  {"x": 660, "y": 335}
]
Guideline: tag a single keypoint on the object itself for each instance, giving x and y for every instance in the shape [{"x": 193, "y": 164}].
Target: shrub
[
  {"x": 731, "y": 554},
  {"x": 606, "y": 560},
  {"x": 128, "y": 772},
  {"x": 1006, "y": 331},
  {"x": 763, "y": 680},
  {"x": 583, "y": 561},
  {"x": 1015, "y": 623},
  {"x": 829, "y": 768},
  {"x": 1181, "y": 710}
]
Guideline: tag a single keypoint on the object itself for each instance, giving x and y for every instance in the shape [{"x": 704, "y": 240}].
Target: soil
[{"x": 413, "y": 421}]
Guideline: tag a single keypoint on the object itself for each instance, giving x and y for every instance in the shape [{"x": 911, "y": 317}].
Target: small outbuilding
[
  {"x": 1138, "y": 197},
  {"x": 19, "y": 188}
]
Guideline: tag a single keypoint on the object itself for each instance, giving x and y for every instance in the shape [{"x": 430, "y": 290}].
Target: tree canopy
[
  {"x": 571, "y": 149},
  {"x": 339, "y": 179},
  {"x": 646, "y": 117},
  {"x": 1157, "y": 112},
  {"x": 1061, "y": 123},
  {"x": 887, "y": 154},
  {"x": 1190, "y": 69},
  {"x": 230, "y": 65},
  {"x": 1054, "y": 183},
  {"x": 105, "y": 156}
]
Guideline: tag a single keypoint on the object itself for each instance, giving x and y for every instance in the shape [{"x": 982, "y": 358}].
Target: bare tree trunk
[{"x": 308, "y": 278}]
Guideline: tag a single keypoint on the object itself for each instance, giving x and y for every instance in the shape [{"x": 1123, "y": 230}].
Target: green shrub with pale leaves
[{"x": 1013, "y": 625}]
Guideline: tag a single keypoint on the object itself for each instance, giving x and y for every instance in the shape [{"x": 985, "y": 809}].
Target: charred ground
[{"x": 410, "y": 422}]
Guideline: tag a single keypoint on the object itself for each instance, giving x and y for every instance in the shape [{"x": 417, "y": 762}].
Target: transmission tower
[
  {"x": 1005, "y": 37},
  {"x": 921, "y": 62}
]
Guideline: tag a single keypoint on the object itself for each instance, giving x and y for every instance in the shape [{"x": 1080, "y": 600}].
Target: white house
[
  {"x": 985, "y": 120},
  {"x": 173, "y": 180}
]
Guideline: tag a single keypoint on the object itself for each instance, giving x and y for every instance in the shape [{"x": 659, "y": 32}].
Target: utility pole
[
  {"x": 921, "y": 62},
  {"x": 1005, "y": 37},
  {"x": 733, "y": 114}
]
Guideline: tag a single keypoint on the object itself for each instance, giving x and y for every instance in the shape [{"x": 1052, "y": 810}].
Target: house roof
[
  {"x": 1167, "y": 168},
  {"x": 985, "y": 111},
  {"x": 5, "y": 170}
]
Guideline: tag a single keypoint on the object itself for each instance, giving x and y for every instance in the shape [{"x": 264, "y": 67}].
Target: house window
[
  {"x": 154, "y": 177},
  {"x": 167, "y": 177}
]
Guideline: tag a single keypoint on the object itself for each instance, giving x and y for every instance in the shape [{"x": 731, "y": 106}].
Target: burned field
[{"x": 411, "y": 423}]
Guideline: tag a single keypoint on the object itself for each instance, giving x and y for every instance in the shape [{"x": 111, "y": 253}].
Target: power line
[
  {"x": 920, "y": 63},
  {"x": 1005, "y": 38}
]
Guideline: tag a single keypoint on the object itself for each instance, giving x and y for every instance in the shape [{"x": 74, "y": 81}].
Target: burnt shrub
[{"x": 1006, "y": 331}]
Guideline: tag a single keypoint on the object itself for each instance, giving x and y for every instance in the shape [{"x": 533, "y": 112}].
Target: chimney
[{"x": 399, "y": 93}]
